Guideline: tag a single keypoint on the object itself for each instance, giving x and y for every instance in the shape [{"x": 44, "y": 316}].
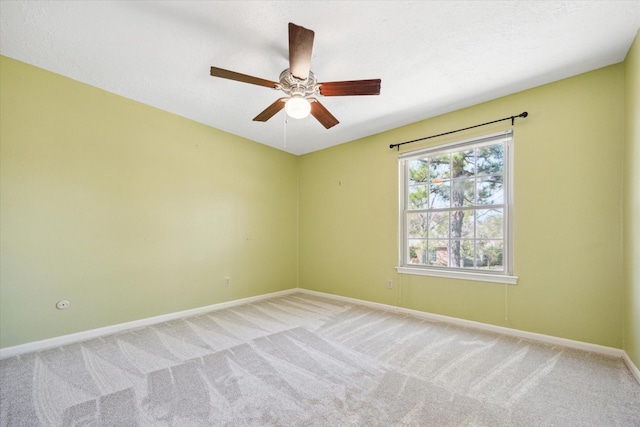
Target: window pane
[
  {"x": 463, "y": 192},
  {"x": 417, "y": 225},
  {"x": 490, "y": 254},
  {"x": 490, "y": 223},
  {"x": 438, "y": 253},
  {"x": 468, "y": 251},
  {"x": 490, "y": 190},
  {"x": 440, "y": 168},
  {"x": 417, "y": 251},
  {"x": 490, "y": 159},
  {"x": 462, "y": 224},
  {"x": 418, "y": 171},
  {"x": 463, "y": 163},
  {"x": 440, "y": 194},
  {"x": 454, "y": 206},
  {"x": 462, "y": 253},
  {"x": 418, "y": 197},
  {"x": 439, "y": 225}
]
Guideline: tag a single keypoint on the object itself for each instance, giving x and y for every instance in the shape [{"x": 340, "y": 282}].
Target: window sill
[{"x": 464, "y": 275}]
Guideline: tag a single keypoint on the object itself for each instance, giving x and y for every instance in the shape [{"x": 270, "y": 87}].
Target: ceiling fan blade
[
  {"x": 322, "y": 114},
  {"x": 232, "y": 75},
  {"x": 352, "y": 87},
  {"x": 300, "y": 47},
  {"x": 270, "y": 111}
]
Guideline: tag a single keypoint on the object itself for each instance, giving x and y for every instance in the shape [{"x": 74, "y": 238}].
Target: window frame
[{"x": 502, "y": 276}]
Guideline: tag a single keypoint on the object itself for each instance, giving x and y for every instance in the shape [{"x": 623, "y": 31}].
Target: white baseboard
[
  {"x": 632, "y": 367},
  {"x": 109, "y": 330},
  {"x": 548, "y": 339}
]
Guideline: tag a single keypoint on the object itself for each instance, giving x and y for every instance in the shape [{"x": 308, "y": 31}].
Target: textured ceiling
[{"x": 432, "y": 56}]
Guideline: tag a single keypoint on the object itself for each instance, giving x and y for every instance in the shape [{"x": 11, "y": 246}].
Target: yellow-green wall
[
  {"x": 128, "y": 211},
  {"x": 632, "y": 204},
  {"x": 131, "y": 212},
  {"x": 567, "y": 215}
]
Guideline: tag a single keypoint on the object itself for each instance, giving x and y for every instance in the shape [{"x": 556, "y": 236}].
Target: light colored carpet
[{"x": 302, "y": 360}]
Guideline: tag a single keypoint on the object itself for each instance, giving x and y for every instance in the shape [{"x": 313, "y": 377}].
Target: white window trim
[
  {"x": 464, "y": 275},
  {"x": 460, "y": 274}
]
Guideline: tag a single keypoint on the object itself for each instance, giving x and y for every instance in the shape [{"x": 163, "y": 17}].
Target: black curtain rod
[{"x": 512, "y": 118}]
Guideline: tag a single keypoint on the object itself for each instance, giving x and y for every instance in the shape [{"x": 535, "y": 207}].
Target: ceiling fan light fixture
[{"x": 297, "y": 107}]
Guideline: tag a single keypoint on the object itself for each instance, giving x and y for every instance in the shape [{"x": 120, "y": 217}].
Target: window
[{"x": 455, "y": 210}]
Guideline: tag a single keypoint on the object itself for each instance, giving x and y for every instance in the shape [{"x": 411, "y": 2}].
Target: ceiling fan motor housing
[{"x": 294, "y": 86}]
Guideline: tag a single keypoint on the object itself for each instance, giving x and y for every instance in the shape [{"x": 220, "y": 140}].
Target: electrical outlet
[
  {"x": 227, "y": 281},
  {"x": 389, "y": 284}
]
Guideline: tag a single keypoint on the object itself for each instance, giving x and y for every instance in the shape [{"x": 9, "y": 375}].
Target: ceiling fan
[{"x": 300, "y": 85}]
